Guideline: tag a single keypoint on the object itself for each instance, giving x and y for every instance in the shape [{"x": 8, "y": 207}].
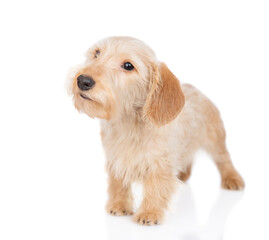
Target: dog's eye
[
  {"x": 97, "y": 53},
  {"x": 128, "y": 66}
]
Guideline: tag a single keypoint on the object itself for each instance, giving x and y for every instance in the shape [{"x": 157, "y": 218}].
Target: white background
[{"x": 52, "y": 178}]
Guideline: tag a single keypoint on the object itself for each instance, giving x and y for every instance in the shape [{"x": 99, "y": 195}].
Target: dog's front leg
[
  {"x": 158, "y": 188},
  {"x": 120, "y": 201}
]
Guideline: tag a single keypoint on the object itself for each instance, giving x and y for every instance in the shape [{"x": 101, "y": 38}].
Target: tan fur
[
  {"x": 166, "y": 98},
  {"x": 151, "y": 126},
  {"x": 120, "y": 198},
  {"x": 184, "y": 175}
]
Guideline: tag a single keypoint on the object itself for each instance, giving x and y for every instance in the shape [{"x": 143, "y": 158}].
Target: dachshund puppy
[{"x": 151, "y": 126}]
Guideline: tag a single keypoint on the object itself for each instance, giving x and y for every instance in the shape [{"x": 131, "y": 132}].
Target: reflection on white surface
[{"x": 181, "y": 222}]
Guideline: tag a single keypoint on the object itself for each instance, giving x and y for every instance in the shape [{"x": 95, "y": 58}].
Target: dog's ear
[{"x": 165, "y": 98}]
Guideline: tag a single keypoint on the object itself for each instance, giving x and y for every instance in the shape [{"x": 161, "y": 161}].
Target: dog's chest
[{"x": 130, "y": 152}]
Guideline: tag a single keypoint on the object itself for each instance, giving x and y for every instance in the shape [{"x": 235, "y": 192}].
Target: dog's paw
[
  {"x": 148, "y": 218},
  {"x": 119, "y": 209},
  {"x": 234, "y": 182}
]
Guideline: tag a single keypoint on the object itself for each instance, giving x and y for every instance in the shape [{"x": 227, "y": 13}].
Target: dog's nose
[{"x": 85, "y": 83}]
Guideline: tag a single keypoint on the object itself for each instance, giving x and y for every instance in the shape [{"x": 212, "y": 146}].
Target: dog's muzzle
[{"x": 85, "y": 83}]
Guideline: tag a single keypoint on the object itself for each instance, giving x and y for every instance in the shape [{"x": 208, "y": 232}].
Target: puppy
[{"x": 151, "y": 126}]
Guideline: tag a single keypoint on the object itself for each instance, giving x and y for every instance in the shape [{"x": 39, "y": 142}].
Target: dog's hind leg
[
  {"x": 230, "y": 178},
  {"x": 185, "y": 174},
  {"x": 186, "y": 159},
  {"x": 216, "y": 146}
]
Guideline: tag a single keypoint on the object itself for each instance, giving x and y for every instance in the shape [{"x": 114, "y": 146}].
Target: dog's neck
[{"x": 130, "y": 119}]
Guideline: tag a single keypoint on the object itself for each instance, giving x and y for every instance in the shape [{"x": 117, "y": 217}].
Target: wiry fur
[{"x": 150, "y": 128}]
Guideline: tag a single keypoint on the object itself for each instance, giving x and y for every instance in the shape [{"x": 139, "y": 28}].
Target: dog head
[{"x": 121, "y": 77}]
